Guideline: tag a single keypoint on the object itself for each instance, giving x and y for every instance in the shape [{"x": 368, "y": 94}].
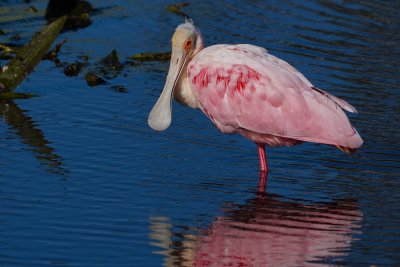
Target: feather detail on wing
[
  {"x": 243, "y": 87},
  {"x": 340, "y": 102}
]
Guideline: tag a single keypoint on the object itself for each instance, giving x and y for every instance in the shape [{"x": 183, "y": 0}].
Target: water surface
[{"x": 85, "y": 182}]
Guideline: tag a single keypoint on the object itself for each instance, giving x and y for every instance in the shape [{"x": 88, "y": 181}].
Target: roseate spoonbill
[{"x": 244, "y": 89}]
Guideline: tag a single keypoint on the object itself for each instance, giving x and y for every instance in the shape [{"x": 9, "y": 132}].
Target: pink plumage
[{"x": 245, "y": 90}]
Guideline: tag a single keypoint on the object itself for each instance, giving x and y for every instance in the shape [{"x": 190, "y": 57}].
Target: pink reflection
[{"x": 270, "y": 232}]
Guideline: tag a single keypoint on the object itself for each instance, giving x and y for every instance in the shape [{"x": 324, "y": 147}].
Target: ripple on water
[{"x": 85, "y": 182}]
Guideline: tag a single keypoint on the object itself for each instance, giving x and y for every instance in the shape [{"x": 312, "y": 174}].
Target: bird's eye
[{"x": 188, "y": 44}]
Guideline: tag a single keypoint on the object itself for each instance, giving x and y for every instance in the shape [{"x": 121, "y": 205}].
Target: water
[{"x": 85, "y": 182}]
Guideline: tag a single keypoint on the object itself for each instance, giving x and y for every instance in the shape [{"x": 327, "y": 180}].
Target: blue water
[{"x": 85, "y": 182}]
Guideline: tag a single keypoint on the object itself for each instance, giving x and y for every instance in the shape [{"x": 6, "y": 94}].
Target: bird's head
[{"x": 186, "y": 43}]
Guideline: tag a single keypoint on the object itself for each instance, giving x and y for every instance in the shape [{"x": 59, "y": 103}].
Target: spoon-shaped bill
[{"x": 161, "y": 115}]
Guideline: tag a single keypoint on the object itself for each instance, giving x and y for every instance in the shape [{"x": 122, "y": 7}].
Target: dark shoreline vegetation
[{"x": 65, "y": 16}]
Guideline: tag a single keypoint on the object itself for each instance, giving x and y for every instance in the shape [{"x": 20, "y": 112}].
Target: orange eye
[{"x": 188, "y": 44}]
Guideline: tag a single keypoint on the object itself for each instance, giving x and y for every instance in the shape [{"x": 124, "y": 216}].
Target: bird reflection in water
[{"x": 265, "y": 231}]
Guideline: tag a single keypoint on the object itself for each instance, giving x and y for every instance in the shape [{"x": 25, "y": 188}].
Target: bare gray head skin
[{"x": 186, "y": 43}]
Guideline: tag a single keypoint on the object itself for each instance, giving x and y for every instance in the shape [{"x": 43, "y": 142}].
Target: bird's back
[{"x": 243, "y": 89}]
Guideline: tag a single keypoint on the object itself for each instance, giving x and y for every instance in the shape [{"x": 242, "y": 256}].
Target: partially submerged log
[
  {"x": 28, "y": 56},
  {"x": 176, "y": 8},
  {"x": 147, "y": 56}
]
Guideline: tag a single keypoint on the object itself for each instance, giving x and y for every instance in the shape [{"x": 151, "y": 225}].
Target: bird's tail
[{"x": 347, "y": 150}]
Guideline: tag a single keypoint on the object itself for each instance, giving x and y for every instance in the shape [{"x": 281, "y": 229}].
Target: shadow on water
[
  {"x": 265, "y": 231},
  {"x": 32, "y": 136}
]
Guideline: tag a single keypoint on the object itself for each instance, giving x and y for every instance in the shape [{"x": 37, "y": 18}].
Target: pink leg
[
  {"x": 263, "y": 168},
  {"x": 262, "y": 183},
  {"x": 263, "y": 158}
]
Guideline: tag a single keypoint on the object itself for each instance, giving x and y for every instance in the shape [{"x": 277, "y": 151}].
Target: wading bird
[{"x": 244, "y": 89}]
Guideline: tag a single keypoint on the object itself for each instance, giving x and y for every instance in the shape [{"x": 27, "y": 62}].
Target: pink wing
[{"x": 243, "y": 88}]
